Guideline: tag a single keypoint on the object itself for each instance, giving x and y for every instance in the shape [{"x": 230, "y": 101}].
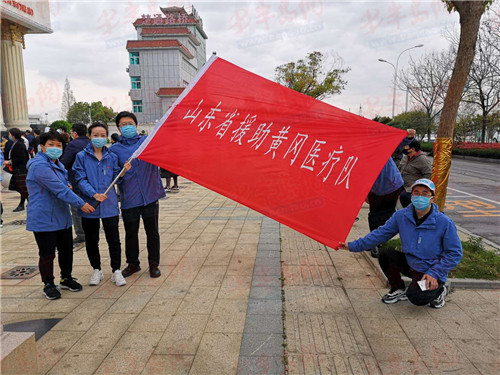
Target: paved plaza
[{"x": 242, "y": 294}]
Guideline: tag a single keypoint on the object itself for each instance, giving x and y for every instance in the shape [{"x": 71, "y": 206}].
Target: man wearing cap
[
  {"x": 413, "y": 166},
  {"x": 430, "y": 249}
]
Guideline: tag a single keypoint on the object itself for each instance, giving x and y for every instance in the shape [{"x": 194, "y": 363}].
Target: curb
[
  {"x": 495, "y": 246},
  {"x": 453, "y": 283},
  {"x": 475, "y": 158}
]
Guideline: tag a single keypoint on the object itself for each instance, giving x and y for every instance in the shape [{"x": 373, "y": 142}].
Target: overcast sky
[{"x": 88, "y": 45}]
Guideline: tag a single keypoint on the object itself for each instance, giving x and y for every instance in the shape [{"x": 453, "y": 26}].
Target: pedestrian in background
[
  {"x": 167, "y": 175},
  {"x": 414, "y": 165},
  {"x": 36, "y": 141},
  {"x": 139, "y": 194},
  {"x": 95, "y": 169},
  {"x": 114, "y": 138},
  {"x": 49, "y": 216},
  {"x": 79, "y": 142},
  {"x": 18, "y": 158},
  {"x": 397, "y": 155}
]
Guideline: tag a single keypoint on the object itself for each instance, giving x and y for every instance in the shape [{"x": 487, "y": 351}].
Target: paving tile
[
  {"x": 133, "y": 300},
  {"x": 218, "y": 354},
  {"x": 240, "y": 265},
  {"x": 267, "y": 271},
  {"x": 156, "y": 315},
  {"x": 85, "y": 315},
  {"x": 18, "y": 305},
  {"x": 130, "y": 354},
  {"x": 78, "y": 364},
  {"x": 235, "y": 286},
  {"x": 63, "y": 305},
  {"x": 175, "y": 364},
  {"x": 266, "y": 292},
  {"x": 109, "y": 290},
  {"x": 414, "y": 368},
  {"x": 199, "y": 300},
  {"x": 261, "y": 366},
  {"x": 52, "y": 346},
  {"x": 264, "y": 323},
  {"x": 386, "y": 327},
  {"x": 228, "y": 316},
  {"x": 104, "y": 334},
  {"x": 484, "y": 350},
  {"x": 393, "y": 349},
  {"x": 439, "y": 350},
  {"x": 183, "y": 334},
  {"x": 218, "y": 258},
  {"x": 210, "y": 276},
  {"x": 269, "y": 281},
  {"x": 457, "y": 368},
  {"x": 268, "y": 254},
  {"x": 262, "y": 344},
  {"x": 264, "y": 306}
]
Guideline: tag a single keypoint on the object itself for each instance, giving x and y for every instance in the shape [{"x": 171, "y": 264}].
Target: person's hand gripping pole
[{"x": 99, "y": 198}]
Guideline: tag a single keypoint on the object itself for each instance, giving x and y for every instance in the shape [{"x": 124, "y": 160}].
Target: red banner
[{"x": 295, "y": 159}]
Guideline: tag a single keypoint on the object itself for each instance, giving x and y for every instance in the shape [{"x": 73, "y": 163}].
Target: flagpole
[{"x": 97, "y": 203}]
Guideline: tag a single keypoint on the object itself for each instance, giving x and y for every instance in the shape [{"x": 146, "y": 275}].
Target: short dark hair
[
  {"x": 28, "y": 131},
  {"x": 123, "y": 114},
  {"x": 80, "y": 129},
  {"x": 63, "y": 128},
  {"x": 98, "y": 125},
  {"x": 37, "y": 131},
  {"x": 414, "y": 144},
  {"x": 16, "y": 133},
  {"x": 51, "y": 136},
  {"x": 115, "y": 137}
]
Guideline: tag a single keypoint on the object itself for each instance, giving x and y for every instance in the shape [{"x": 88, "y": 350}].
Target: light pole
[
  {"x": 396, "y": 74},
  {"x": 46, "y": 118}
]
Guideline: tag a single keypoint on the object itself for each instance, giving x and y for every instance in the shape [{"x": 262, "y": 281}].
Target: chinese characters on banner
[{"x": 295, "y": 159}]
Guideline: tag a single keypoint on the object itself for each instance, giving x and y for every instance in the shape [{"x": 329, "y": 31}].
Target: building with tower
[
  {"x": 18, "y": 18},
  {"x": 169, "y": 51}
]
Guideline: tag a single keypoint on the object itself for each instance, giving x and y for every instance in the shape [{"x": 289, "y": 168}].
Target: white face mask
[{"x": 59, "y": 131}]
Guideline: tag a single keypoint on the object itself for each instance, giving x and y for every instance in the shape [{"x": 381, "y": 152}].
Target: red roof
[
  {"x": 170, "y": 91},
  {"x": 159, "y": 44}
]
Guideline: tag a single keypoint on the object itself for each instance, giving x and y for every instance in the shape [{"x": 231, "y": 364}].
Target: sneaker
[
  {"x": 118, "y": 278},
  {"x": 395, "y": 296},
  {"x": 18, "y": 208},
  {"x": 439, "y": 302},
  {"x": 70, "y": 284},
  {"x": 176, "y": 188},
  {"x": 96, "y": 277},
  {"x": 375, "y": 252},
  {"x": 51, "y": 292},
  {"x": 168, "y": 190},
  {"x": 78, "y": 240}
]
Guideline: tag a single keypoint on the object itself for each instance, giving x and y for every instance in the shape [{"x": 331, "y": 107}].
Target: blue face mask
[
  {"x": 420, "y": 203},
  {"x": 53, "y": 152},
  {"x": 10, "y": 138},
  {"x": 129, "y": 131},
  {"x": 99, "y": 142}
]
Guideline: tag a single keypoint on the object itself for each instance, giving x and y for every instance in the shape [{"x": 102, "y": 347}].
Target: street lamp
[
  {"x": 46, "y": 118},
  {"x": 396, "y": 74}
]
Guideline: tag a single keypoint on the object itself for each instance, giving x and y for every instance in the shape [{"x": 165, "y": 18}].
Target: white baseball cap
[{"x": 425, "y": 182}]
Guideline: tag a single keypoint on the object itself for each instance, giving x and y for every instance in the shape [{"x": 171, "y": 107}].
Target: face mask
[
  {"x": 53, "y": 152},
  {"x": 129, "y": 131},
  {"x": 10, "y": 138},
  {"x": 406, "y": 152},
  {"x": 420, "y": 203},
  {"x": 99, "y": 142},
  {"x": 59, "y": 131}
]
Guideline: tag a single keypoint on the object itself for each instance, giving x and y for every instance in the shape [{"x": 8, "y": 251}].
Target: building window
[
  {"x": 137, "y": 106},
  {"x": 134, "y": 58},
  {"x": 136, "y": 83}
]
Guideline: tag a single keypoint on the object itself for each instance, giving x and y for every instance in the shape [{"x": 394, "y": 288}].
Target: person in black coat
[
  {"x": 18, "y": 158},
  {"x": 79, "y": 142}
]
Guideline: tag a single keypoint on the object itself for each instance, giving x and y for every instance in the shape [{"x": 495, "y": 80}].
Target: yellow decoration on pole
[{"x": 441, "y": 169}]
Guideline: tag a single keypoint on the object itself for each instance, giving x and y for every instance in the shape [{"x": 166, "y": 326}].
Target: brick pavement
[{"x": 215, "y": 308}]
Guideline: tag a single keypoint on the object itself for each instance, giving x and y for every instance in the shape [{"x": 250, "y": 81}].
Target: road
[{"x": 473, "y": 197}]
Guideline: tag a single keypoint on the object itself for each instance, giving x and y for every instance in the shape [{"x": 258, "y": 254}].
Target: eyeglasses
[
  {"x": 126, "y": 123},
  {"x": 418, "y": 194}
]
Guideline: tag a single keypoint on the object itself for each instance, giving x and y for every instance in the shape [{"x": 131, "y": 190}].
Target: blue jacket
[
  {"x": 389, "y": 179},
  {"x": 94, "y": 176},
  {"x": 69, "y": 155},
  {"x": 142, "y": 184},
  {"x": 50, "y": 196},
  {"x": 432, "y": 248}
]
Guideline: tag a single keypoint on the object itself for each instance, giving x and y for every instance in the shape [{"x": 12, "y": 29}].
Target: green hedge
[{"x": 481, "y": 153}]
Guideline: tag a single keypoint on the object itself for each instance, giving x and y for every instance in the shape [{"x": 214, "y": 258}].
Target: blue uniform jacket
[
  {"x": 69, "y": 155},
  {"x": 142, "y": 184},
  {"x": 93, "y": 176},
  {"x": 389, "y": 179},
  {"x": 50, "y": 196},
  {"x": 432, "y": 248}
]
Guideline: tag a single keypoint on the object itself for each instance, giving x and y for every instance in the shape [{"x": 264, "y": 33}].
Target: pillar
[{"x": 15, "y": 104}]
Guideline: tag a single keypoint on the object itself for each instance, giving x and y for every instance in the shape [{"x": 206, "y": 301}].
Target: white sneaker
[
  {"x": 96, "y": 277},
  {"x": 118, "y": 278}
]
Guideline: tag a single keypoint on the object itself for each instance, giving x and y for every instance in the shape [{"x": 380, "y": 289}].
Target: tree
[
  {"x": 310, "y": 76},
  {"x": 382, "y": 119},
  {"x": 57, "y": 124},
  {"x": 67, "y": 99},
  {"x": 412, "y": 120},
  {"x": 79, "y": 112},
  {"x": 483, "y": 85},
  {"x": 426, "y": 80},
  {"x": 470, "y": 13},
  {"x": 101, "y": 113}
]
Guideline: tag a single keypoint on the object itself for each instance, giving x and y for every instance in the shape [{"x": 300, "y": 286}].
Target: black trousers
[
  {"x": 405, "y": 198},
  {"x": 131, "y": 220},
  {"x": 382, "y": 207},
  {"x": 91, "y": 229},
  {"x": 393, "y": 264},
  {"x": 48, "y": 242}
]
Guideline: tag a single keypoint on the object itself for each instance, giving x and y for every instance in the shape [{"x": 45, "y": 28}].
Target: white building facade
[{"x": 169, "y": 50}]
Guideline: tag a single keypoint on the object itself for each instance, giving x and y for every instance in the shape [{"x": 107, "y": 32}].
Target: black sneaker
[
  {"x": 375, "y": 252},
  {"x": 51, "y": 292},
  {"x": 70, "y": 284},
  {"x": 439, "y": 302},
  {"x": 18, "y": 208},
  {"x": 395, "y": 296}
]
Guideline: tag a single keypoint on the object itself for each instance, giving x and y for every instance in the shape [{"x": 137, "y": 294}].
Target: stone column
[{"x": 15, "y": 104}]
